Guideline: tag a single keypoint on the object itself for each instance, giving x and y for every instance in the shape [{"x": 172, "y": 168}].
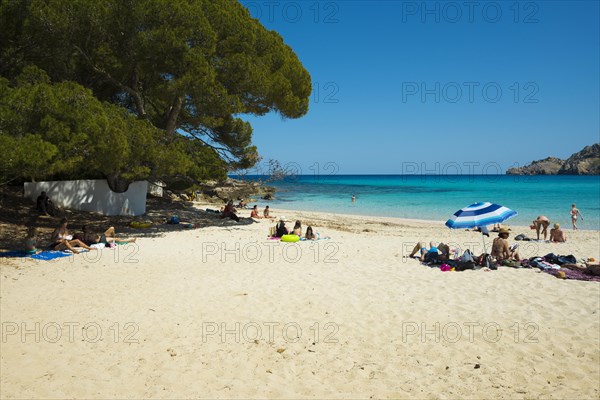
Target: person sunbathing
[
  {"x": 267, "y": 213},
  {"x": 280, "y": 228},
  {"x": 501, "y": 250},
  {"x": 434, "y": 253},
  {"x": 31, "y": 241},
  {"x": 310, "y": 235},
  {"x": 229, "y": 212},
  {"x": 89, "y": 237},
  {"x": 557, "y": 235},
  {"x": 61, "y": 240},
  {"x": 297, "y": 229},
  {"x": 254, "y": 213}
]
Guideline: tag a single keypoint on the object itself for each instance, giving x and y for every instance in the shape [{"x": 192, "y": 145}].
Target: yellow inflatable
[
  {"x": 138, "y": 224},
  {"x": 290, "y": 238}
]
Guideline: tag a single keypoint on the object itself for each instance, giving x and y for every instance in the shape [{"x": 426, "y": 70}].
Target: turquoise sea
[{"x": 437, "y": 197}]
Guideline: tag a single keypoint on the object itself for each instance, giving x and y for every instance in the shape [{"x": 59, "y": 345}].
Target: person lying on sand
[
  {"x": 442, "y": 251},
  {"x": 61, "y": 240},
  {"x": 501, "y": 250},
  {"x": 89, "y": 237},
  {"x": 557, "y": 235}
]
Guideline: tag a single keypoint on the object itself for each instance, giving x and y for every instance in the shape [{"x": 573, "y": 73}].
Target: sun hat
[
  {"x": 282, "y": 219},
  {"x": 556, "y": 226},
  {"x": 503, "y": 230}
]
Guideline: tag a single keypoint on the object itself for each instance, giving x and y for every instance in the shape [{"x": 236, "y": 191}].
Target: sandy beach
[{"x": 222, "y": 312}]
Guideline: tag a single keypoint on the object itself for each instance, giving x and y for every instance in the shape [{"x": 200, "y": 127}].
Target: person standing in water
[
  {"x": 574, "y": 214},
  {"x": 353, "y": 198}
]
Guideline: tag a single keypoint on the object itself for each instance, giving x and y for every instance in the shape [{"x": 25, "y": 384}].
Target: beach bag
[
  {"x": 570, "y": 259},
  {"x": 430, "y": 258},
  {"x": 466, "y": 261},
  {"x": 551, "y": 258},
  {"x": 488, "y": 262},
  {"x": 467, "y": 256}
]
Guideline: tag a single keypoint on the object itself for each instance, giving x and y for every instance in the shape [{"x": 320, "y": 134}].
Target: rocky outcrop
[
  {"x": 547, "y": 166},
  {"x": 585, "y": 162},
  {"x": 233, "y": 189}
]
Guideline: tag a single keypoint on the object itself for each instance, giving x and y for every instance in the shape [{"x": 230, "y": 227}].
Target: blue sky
[{"x": 440, "y": 84}]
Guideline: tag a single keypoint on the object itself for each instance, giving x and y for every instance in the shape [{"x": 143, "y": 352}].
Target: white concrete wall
[{"x": 92, "y": 195}]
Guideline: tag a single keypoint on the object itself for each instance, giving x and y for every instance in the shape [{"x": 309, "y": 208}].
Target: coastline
[
  {"x": 438, "y": 197},
  {"x": 176, "y": 314}
]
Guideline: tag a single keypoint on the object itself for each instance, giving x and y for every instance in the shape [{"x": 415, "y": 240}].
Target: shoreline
[
  {"x": 438, "y": 197},
  {"x": 577, "y": 241}
]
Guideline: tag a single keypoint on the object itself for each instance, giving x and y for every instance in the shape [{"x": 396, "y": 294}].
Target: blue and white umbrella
[{"x": 480, "y": 215}]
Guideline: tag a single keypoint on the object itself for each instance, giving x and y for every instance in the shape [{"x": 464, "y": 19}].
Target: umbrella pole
[{"x": 483, "y": 240}]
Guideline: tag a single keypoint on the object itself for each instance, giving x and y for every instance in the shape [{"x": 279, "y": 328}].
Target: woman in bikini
[
  {"x": 574, "y": 214},
  {"x": 254, "y": 213},
  {"x": 61, "y": 240},
  {"x": 501, "y": 250}
]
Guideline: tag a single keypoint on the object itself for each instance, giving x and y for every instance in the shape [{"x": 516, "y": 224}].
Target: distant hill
[{"x": 585, "y": 162}]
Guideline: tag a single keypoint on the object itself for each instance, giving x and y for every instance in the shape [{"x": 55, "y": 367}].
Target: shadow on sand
[{"x": 18, "y": 213}]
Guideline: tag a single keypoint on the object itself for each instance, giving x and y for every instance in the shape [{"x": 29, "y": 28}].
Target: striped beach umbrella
[{"x": 479, "y": 215}]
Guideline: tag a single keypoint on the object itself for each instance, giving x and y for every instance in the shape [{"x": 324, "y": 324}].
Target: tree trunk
[
  {"x": 174, "y": 111},
  {"x": 117, "y": 184}
]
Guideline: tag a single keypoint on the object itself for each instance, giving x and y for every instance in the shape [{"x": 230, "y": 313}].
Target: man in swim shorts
[{"x": 541, "y": 223}]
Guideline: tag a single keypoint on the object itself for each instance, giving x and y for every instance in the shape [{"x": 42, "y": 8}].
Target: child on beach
[{"x": 31, "y": 241}]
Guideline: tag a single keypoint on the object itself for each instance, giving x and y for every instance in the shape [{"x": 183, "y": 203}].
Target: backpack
[{"x": 466, "y": 261}]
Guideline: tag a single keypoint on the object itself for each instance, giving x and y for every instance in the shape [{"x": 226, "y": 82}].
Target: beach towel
[
  {"x": 44, "y": 255},
  {"x": 50, "y": 255},
  {"x": 574, "y": 274},
  {"x": 14, "y": 254}
]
